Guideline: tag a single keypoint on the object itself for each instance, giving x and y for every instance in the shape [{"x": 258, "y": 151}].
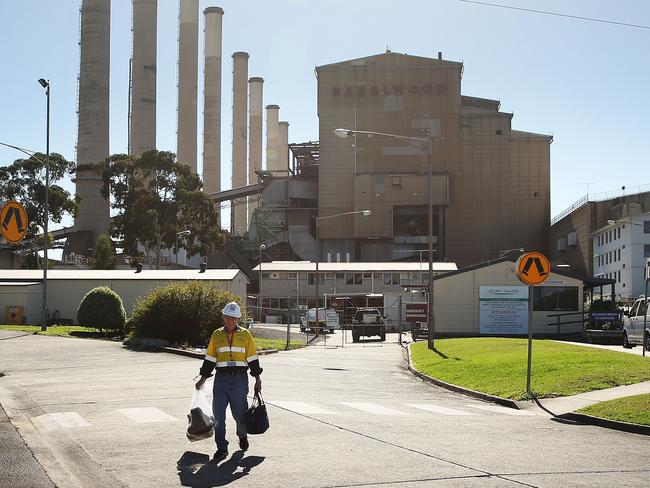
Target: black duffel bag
[{"x": 257, "y": 420}]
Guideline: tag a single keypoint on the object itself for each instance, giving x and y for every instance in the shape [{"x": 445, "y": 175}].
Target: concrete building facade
[
  {"x": 579, "y": 236},
  {"x": 188, "y": 73},
  {"x": 490, "y": 184},
  {"x": 66, "y": 288}
]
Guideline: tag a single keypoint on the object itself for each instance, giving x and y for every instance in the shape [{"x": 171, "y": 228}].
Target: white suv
[{"x": 633, "y": 332}]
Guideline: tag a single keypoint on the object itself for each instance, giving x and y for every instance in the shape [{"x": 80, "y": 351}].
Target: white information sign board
[{"x": 503, "y": 310}]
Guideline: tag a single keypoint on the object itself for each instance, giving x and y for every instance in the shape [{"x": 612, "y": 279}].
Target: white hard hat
[{"x": 232, "y": 310}]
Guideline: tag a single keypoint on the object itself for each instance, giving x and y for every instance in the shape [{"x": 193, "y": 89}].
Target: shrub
[
  {"x": 102, "y": 309},
  {"x": 180, "y": 313}
]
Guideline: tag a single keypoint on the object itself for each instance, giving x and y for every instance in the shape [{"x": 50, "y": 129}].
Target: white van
[
  {"x": 328, "y": 319},
  {"x": 633, "y": 331}
]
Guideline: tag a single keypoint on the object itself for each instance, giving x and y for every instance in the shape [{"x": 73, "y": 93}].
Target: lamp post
[
  {"x": 262, "y": 248},
  {"x": 365, "y": 213},
  {"x": 415, "y": 142},
  {"x": 183, "y": 233},
  {"x": 503, "y": 252},
  {"x": 46, "y": 84}
]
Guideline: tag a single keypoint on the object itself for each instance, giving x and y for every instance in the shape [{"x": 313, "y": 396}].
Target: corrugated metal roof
[
  {"x": 120, "y": 274},
  {"x": 297, "y": 266}
]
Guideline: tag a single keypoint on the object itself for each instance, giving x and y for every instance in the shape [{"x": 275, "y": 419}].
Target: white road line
[
  {"x": 302, "y": 407},
  {"x": 146, "y": 414},
  {"x": 372, "y": 408},
  {"x": 438, "y": 409},
  {"x": 63, "y": 420},
  {"x": 507, "y": 411}
]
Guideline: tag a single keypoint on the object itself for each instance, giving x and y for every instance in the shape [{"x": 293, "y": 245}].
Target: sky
[{"x": 585, "y": 83}]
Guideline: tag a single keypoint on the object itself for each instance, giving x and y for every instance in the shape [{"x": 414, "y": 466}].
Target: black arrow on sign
[
  {"x": 538, "y": 265},
  {"x": 13, "y": 212}
]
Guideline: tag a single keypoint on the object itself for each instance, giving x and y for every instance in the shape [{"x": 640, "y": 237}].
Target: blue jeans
[{"x": 229, "y": 389}]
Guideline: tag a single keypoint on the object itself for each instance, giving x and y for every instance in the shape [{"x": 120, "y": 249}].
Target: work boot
[
  {"x": 243, "y": 443},
  {"x": 220, "y": 455}
]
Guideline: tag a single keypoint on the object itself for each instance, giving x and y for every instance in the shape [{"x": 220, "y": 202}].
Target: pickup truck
[{"x": 368, "y": 322}]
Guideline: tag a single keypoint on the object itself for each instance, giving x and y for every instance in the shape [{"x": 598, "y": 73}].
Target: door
[
  {"x": 631, "y": 320},
  {"x": 638, "y": 321}
]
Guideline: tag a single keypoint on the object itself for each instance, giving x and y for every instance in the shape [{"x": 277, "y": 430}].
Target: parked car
[
  {"x": 633, "y": 329},
  {"x": 368, "y": 322}
]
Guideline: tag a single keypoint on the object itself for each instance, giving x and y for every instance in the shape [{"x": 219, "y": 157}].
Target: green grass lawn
[
  {"x": 498, "y": 366},
  {"x": 58, "y": 330},
  {"x": 632, "y": 409},
  {"x": 262, "y": 343}
]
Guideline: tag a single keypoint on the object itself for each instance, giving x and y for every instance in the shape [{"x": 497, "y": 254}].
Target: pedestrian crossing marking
[
  {"x": 303, "y": 408},
  {"x": 372, "y": 408},
  {"x": 507, "y": 411},
  {"x": 437, "y": 409},
  {"x": 146, "y": 415},
  {"x": 62, "y": 420}
]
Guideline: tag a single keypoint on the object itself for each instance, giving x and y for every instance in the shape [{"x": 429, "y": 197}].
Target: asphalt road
[{"x": 96, "y": 414}]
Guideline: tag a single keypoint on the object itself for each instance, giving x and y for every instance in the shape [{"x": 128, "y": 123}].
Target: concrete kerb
[
  {"x": 575, "y": 417},
  {"x": 459, "y": 389},
  {"x": 607, "y": 423}
]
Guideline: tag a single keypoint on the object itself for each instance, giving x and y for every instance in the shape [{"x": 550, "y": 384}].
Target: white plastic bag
[{"x": 200, "y": 418}]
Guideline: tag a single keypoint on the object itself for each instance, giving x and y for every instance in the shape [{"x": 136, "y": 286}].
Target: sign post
[{"x": 533, "y": 268}]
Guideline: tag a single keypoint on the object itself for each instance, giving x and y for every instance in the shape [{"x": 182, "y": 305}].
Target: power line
[{"x": 557, "y": 14}]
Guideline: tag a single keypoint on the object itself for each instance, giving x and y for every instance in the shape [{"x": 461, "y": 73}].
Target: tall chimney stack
[
  {"x": 272, "y": 137},
  {"x": 92, "y": 134},
  {"x": 188, "y": 73},
  {"x": 255, "y": 136},
  {"x": 212, "y": 101},
  {"x": 284, "y": 146},
  {"x": 142, "y": 121},
  {"x": 239, "y": 138}
]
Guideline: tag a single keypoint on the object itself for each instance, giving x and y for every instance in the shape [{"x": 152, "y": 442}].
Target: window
[
  {"x": 396, "y": 181},
  {"x": 619, "y": 232},
  {"x": 643, "y": 308},
  {"x": 311, "y": 278},
  {"x": 292, "y": 276},
  {"x": 340, "y": 276},
  {"x": 411, "y": 221},
  {"x": 599, "y": 260},
  {"x": 646, "y": 250},
  {"x": 353, "y": 278},
  {"x": 619, "y": 254},
  {"x": 646, "y": 226},
  {"x": 367, "y": 276},
  {"x": 635, "y": 307},
  {"x": 377, "y": 277},
  {"x": 358, "y": 278},
  {"x": 329, "y": 276},
  {"x": 619, "y": 276},
  {"x": 555, "y": 298}
]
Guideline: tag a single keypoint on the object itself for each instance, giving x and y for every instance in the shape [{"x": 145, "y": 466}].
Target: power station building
[{"x": 490, "y": 184}]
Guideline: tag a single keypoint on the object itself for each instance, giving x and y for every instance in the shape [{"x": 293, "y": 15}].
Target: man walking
[{"x": 233, "y": 352}]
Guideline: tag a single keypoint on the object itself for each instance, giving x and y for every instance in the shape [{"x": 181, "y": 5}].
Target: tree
[
  {"x": 24, "y": 181},
  {"x": 103, "y": 253},
  {"x": 156, "y": 197}
]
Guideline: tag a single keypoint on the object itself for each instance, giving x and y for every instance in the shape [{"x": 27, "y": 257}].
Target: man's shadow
[{"x": 199, "y": 471}]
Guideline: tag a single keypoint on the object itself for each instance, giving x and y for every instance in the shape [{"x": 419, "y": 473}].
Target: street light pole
[
  {"x": 365, "y": 213},
  {"x": 262, "y": 247},
  {"x": 411, "y": 141},
  {"x": 183, "y": 233},
  {"x": 46, "y": 84}
]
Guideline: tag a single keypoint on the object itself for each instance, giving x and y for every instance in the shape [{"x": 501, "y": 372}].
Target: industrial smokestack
[
  {"x": 212, "y": 101},
  {"x": 92, "y": 134},
  {"x": 284, "y": 146},
  {"x": 188, "y": 73},
  {"x": 142, "y": 123},
  {"x": 255, "y": 143},
  {"x": 272, "y": 137},
  {"x": 239, "y": 138}
]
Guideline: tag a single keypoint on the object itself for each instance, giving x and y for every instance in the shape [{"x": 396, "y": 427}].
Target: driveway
[{"x": 96, "y": 414}]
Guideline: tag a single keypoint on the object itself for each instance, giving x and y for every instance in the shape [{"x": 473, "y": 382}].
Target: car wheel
[{"x": 626, "y": 343}]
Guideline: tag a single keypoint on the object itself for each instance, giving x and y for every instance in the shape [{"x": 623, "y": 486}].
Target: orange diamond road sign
[
  {"x": 13, "y": 221},
  {"x": 533, "y": 268}
]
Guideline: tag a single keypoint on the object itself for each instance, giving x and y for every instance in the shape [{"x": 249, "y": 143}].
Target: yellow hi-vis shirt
[{"x": 238, "y": 354}]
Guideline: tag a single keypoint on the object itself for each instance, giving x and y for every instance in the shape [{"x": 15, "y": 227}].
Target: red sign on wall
[{"x": 416, "y": 312}]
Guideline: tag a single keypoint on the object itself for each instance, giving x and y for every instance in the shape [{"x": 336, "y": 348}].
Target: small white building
[
  {"x": 66, "y": 287},
  {"x": 620, "y": 251},
  {"x": 489, "y": 299}
]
